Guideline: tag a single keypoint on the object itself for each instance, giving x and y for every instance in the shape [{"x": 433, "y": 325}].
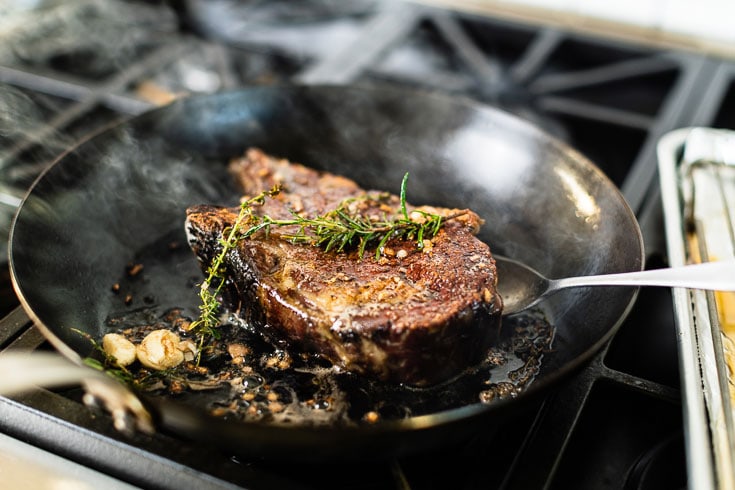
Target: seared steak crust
[{"x": 413, "y": 316}]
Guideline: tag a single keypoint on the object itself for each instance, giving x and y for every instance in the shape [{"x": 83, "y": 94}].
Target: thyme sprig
[
  {"x": 345, "y": 228},
  {"x": 339, "y": 230},
  {"x": 209, "y": 290}
]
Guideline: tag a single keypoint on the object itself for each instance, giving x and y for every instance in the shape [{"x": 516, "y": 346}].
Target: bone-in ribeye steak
[{"x": 414, "y": 316}]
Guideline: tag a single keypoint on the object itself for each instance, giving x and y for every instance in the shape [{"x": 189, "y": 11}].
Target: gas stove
[{"x": 616, "y": 424}]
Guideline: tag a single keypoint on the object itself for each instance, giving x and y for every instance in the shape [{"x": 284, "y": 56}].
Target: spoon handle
[{"x": 718, "y": 276}]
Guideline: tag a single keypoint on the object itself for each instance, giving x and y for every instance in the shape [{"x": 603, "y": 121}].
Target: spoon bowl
[{"x": 522, "y": 287}]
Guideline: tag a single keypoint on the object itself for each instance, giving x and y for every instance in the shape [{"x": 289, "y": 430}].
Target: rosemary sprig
[{"x": 337, "y": 230}]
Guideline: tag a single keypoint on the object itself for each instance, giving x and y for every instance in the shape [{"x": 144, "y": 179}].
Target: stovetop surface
[{"x": 616, "y": 424}]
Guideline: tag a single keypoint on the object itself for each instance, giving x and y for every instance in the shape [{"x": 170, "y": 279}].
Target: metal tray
[{"x": 697, "y": 175}]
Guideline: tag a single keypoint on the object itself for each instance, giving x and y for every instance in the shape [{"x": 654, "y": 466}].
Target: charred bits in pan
[{"x": 243, "y": 376}]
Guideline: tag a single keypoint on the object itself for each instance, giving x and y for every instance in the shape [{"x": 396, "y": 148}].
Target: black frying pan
[{"x": 127, "y": 188}]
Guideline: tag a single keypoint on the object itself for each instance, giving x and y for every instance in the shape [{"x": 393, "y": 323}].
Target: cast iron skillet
[{"x": 127, "y": 188}]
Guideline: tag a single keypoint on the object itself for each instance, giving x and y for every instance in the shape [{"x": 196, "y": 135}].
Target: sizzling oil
[
  {"x": 262, "y": 381},
  {"x": 246, "y": 377}
]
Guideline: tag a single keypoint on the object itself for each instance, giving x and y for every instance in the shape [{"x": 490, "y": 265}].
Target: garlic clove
[
  {"x": 189, "y": 348},
  {"x": 160, "y": 350},
  {"x": 120, "y": 348}
]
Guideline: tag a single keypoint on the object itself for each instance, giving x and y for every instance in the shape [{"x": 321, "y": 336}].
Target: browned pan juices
[{"x": 248, "y": 377}]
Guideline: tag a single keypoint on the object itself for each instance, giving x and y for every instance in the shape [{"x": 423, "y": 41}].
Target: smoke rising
[
  {"x": 87, "y": 40},
  {"x": 93, "y": 36}
]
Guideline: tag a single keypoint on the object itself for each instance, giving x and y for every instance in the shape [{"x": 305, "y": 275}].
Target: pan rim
[{"x": 410, "y": 424}]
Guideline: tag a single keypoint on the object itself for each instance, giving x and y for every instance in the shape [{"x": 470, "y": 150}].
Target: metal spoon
[
  {"x": 521, "y": 287},
  {"x": 26, "y": 370}
]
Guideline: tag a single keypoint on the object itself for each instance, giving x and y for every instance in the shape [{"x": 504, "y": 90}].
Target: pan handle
[{"x": 23, "y": 371}]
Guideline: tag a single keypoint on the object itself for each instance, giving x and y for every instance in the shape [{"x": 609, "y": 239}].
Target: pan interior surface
[{"x": 127, "y": 189}]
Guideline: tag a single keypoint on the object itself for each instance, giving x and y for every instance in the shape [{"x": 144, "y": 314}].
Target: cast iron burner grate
[{"x": 616, "y": 424}]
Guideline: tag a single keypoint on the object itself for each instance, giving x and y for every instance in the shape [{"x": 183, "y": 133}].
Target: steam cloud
[{"x": 104, "y": 34}]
